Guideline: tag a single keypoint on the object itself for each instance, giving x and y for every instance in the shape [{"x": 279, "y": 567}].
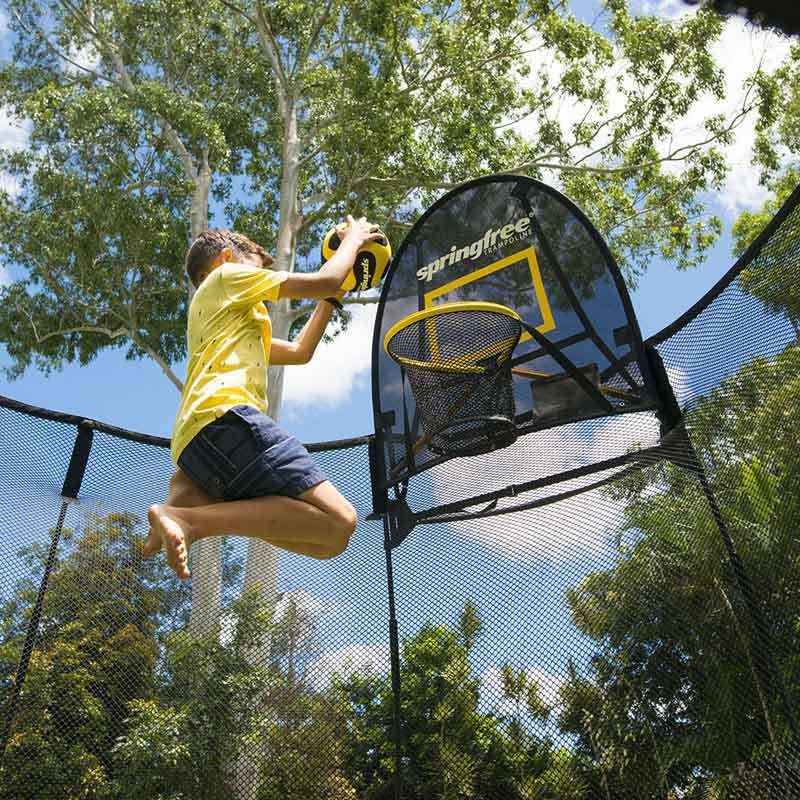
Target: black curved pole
[{"x": 69, "y": 493}]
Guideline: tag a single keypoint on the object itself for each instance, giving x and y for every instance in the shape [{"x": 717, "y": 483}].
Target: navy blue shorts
[{"x": 245, "y": 454}]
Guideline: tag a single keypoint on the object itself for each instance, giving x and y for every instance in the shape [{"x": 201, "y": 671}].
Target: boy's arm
[
  {"x": 302, "y": 348},
  {"x": 326, "y": 282}
]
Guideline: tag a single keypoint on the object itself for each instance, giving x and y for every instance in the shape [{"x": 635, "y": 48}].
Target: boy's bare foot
[
  {"x": 174, "y": 533},
  {"x": 152, "y": 544}
]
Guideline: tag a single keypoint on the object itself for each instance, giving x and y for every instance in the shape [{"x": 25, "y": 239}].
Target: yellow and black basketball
[{"x": 371, "y": 261}]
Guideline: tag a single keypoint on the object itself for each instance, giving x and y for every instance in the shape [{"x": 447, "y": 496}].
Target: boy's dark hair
[{"x": 209, "y": 244}]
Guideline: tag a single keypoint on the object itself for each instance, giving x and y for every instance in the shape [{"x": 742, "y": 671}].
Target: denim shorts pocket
[
  {"x": 207, "y": 466},
  {"x": 231, "y": 437},
  {"x": 213, "y": 449},
  {"x": 265, "y": 431}
]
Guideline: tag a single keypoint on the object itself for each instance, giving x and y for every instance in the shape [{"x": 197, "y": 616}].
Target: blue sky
[{"x": 330, "y": 399}]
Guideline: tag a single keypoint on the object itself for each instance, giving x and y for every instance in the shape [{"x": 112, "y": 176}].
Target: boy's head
[{"x": 215, "y": 247}]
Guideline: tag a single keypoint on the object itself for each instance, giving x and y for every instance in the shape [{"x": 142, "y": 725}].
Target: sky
[{"x": 330, "y": 398}]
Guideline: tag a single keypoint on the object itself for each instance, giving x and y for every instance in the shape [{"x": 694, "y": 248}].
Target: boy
[{"x": 237, "y": 471}]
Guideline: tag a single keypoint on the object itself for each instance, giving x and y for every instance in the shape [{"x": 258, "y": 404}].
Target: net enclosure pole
[
  {"x": 69, "y": 494},
  {"x": 394, "y": 648}
]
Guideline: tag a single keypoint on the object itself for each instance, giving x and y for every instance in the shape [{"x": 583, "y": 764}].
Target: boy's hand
[{"x": 359, "y": 231}]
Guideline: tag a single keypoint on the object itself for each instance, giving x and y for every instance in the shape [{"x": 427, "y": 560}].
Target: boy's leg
[
  {"x": 319, "y": 523},
  {"x": 326, "y": 497},
  {"x": 185, "y": 493}
]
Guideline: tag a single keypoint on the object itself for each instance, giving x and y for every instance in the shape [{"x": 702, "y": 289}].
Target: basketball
[{"x": 371, "y": 261}]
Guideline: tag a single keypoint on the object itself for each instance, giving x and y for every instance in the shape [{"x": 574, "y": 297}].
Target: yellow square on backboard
[{"x": 528, "y": 255}]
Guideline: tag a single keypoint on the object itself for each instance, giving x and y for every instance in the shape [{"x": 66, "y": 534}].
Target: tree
[
  {"x": 525, "y": 693},
  {"x": 774, "y": 284},
  {"x": 778, "y": 155},
  {"x": 301, "y": 731},
  {"x": 96, "y": 652},
  {"x": 451, "y": 747}
]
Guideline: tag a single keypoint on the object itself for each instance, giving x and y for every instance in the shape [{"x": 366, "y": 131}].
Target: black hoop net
[{"x": 457, "y": 361}]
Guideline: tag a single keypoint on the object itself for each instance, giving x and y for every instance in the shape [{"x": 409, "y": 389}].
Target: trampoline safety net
[{"x": 628, "y": 632}]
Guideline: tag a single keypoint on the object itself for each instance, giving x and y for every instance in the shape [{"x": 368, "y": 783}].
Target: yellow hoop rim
[{"x": 447, "y": 308}]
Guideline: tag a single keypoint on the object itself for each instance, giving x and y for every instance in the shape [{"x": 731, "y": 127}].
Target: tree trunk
[
  {"x": 261, "y": 568},
  {"x": 206, "y": 554}
]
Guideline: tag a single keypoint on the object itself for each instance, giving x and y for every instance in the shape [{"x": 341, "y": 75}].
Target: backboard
[{"x": 518, "y": 243}]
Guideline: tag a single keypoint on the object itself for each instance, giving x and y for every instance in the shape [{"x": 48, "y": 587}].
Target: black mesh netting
[{"x": 629, "y": 630}]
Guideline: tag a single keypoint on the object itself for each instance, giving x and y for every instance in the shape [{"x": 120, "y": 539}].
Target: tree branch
[
  {"x": 126, "y": 83},
  {"x": 39, "y": 34},
  {"x": 112, "y": 334},
  {"x": 313, "y": 36},
  {"x": 236, "y": 9},
  {"x": 272, "y": 50},
  {"x": 158, "y": 359},
  {"x": 502, "y": 51},
  {"x": 141, "y": 185},
  {"x": 678, "y": 154},
  {"x": 317, "y": 197},
  {"x": 324, "y": 56}
]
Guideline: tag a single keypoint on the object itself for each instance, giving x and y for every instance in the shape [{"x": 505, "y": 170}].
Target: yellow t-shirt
[{"x": 229, "y": 338}]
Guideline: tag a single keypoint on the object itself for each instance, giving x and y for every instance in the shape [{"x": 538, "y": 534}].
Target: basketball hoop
[{"x": 457, "y": 358}]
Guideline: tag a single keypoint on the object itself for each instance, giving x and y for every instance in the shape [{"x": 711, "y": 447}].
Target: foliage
[
  {"x": 120, "y": 702},
  {"x": 96, "y": 653},
  {"x": 772, "y": 279},
  {"x": 277, "y": 118},
  {"x": 451, "y": 747}
]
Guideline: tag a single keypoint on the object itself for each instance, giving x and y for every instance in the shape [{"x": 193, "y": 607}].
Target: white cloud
[
  {"x": 670, "y": 9},
  {"x": 5, "y": 276},
  {"x": 492, "y": 689},
  {"x": 347, "y": 660},
  {"x": 302, "y": 601},
  {"x": 83, "y": 58},
  {"x": 337, "y": 368},
  {"x": 739, "y": 51},
  {"x": 13, "y": 132},
  {"x": 13, "y": 136},
  {"x": 562, "y": 530}
]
